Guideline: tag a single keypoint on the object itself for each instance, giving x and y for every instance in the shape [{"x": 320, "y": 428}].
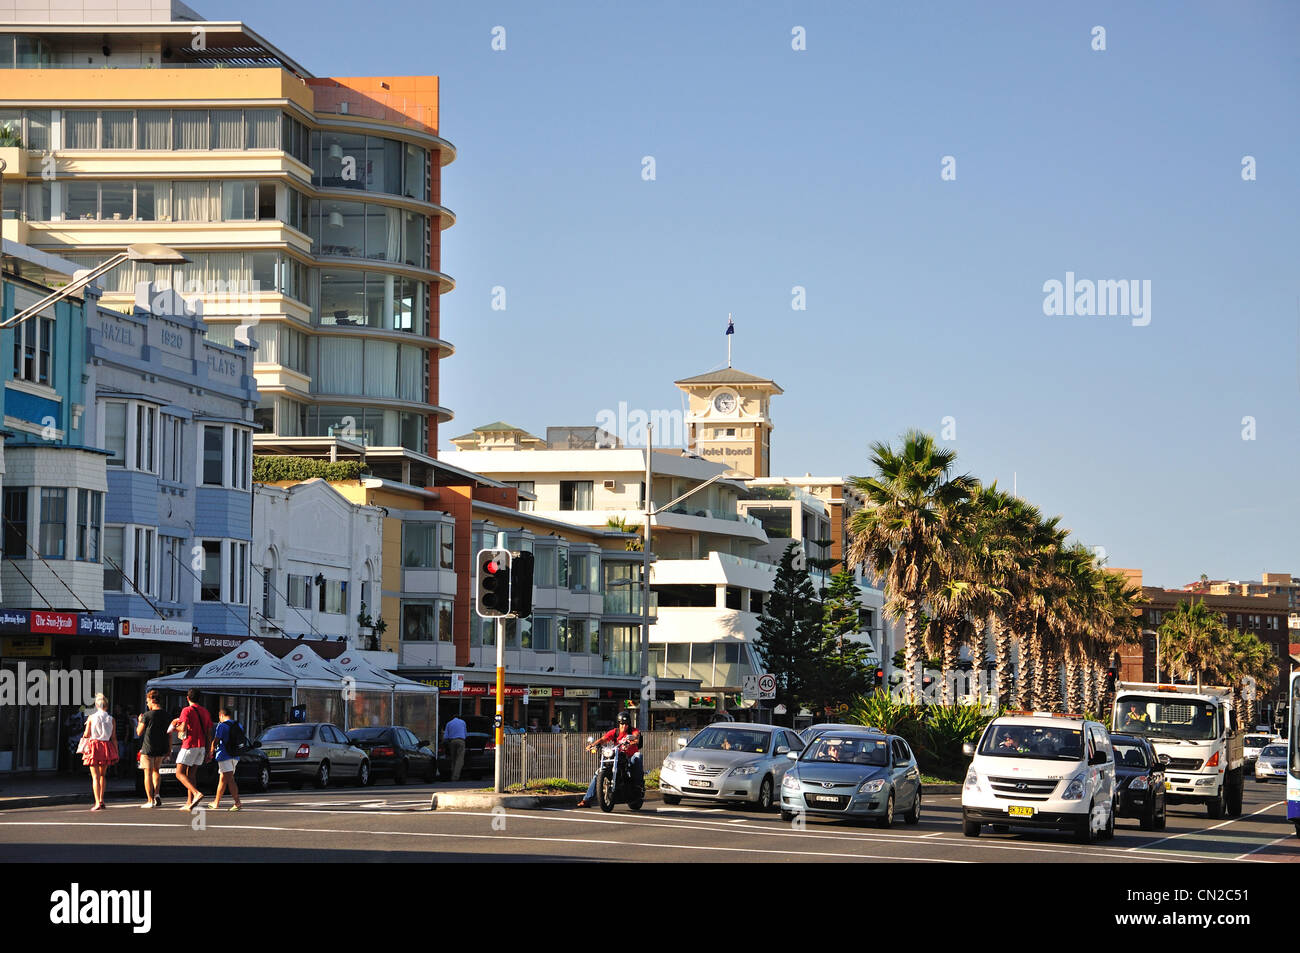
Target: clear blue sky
[{"x": 821, "y": 168}]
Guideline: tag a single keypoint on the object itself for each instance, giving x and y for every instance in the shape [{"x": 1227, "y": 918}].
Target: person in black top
[{"x": 152, "y": 729}]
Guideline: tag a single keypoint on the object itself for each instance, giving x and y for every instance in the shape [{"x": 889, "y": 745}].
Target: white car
[
  {"x": 1271, "y": 763},
  {"x": 1255, "y": 743},
  {"x": 1036, "y": 769}
]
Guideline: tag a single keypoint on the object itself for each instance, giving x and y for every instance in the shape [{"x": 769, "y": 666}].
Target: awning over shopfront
[{"x": 248, "y": 666}]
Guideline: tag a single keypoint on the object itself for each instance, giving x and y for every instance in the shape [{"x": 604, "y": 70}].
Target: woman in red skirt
[{"x": 99, "y": 748}]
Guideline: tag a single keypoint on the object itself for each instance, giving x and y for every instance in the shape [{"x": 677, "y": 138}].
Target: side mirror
[
  {"x": 681, "y": 742},
  {"x": 792, "y": 755},
  {"x": 968, "y": 749},
  {"x": 781, "y": 750},
  {"x": 256, "y": 744},
  {"x": 424, "y": 743}
]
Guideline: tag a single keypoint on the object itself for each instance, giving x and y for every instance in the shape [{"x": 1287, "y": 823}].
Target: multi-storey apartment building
[{"x": 308, "y": 206}]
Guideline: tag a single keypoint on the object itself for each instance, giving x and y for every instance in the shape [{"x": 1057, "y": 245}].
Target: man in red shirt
[
  {"x": 194, "y": 728},
  {"x": 627, "y": 739}
]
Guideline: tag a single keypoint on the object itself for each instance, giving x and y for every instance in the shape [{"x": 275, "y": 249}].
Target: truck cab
[
  {"x": 1037, "y": 769},
  {"x": 1195, "y": 734}
]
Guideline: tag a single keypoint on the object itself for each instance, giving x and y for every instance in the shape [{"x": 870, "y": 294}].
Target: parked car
[
  {"x": 1139, "y": 781},
  {"x": 812, "y": 731},
  {"x": 316, "y": 752},
  {"x": 480, "y": 751},
  {"x": 856, "y": 773},
  {"x": 730, "y": 762},
  {"x": 1271, "y": 764},
  {"x": 252, "y": 773},
  {"x": 395, "y": 752}
]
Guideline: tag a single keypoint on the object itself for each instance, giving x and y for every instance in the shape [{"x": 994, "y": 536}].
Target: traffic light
[
  {"x": 1112, "y": 673},
  {"x": 879, "y": 678},
  {"x": 521, "y": 585},
  {"x": 493, "y": 596}
]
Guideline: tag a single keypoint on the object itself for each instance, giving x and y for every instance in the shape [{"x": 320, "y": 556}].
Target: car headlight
[
  {"x": 972, "y": 779},
  {"x": 1138, "y": 784},
  {"x": 790, "y": 782},
  {"x": 744, "y": 770},
  {"x": 669, "y": 764},
  {"x": 871, "y": 787},
  {"x": 1073, "y": 790}
]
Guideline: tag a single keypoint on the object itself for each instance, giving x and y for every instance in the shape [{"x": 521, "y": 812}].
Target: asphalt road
[{"x": 388, "y": 823}]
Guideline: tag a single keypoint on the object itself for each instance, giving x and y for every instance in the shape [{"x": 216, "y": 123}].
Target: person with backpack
[
  {"x": 227, "y": 741},
  {"x": 194, "y": 728}
]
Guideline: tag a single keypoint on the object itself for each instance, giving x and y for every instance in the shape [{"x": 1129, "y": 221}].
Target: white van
[{"x": 1037, "y": 769}]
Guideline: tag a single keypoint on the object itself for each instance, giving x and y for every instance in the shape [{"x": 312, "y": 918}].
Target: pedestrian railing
[{"x": 530, "y": 757}]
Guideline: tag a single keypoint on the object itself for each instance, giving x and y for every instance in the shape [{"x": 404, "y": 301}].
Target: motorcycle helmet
[{"x": 624, "y": 719}]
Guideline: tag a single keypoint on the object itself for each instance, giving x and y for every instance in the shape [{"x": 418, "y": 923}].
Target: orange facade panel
[
  {"x": 127, "y": 86},
  {"x": 409, "y": 100}
]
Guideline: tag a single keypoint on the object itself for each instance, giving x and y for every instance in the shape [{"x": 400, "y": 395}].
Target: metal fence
[{"x": 529, "y": 757}]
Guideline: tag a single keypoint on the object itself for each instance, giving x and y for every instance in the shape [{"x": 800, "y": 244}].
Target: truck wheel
[
  {"x": 1235, "y": 791},
  {"x": 1214, "y": 806},
  {"x": 1297, "y": 828}
]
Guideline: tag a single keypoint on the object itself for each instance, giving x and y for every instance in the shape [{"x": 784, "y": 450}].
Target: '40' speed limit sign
[{"x": 767, "y": 686}]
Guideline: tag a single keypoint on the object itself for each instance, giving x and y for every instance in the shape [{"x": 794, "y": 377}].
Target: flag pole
[{"x": 730, "y": 332}]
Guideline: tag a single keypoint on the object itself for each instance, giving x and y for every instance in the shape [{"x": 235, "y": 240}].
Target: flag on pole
[{"x": 731, "y": 326}]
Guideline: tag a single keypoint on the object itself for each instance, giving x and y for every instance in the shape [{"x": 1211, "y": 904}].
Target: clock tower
[{"x": 729, "y": 420}]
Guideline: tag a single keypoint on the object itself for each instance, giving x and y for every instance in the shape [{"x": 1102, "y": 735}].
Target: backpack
[{"x": 237, "y": 741}]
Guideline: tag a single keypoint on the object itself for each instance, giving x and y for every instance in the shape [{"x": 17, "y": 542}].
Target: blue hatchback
[{"x": 857, "y": 773}]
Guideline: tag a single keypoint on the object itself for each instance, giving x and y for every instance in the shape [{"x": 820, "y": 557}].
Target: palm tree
[
  {"x": 904, "y": 531},
  {"x": 1195, "y": 640}
]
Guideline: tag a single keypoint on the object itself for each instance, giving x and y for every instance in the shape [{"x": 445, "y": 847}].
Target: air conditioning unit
[{"x": 609, "y": 484}]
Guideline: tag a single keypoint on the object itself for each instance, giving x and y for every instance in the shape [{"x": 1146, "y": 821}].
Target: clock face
[{"x": 724, "y": 403}]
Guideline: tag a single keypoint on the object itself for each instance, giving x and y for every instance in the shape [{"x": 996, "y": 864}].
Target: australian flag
[{"x": 731, "y": 326}]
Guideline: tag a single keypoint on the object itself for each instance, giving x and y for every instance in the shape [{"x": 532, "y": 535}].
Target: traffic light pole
[{"x": 498, "y": 770}]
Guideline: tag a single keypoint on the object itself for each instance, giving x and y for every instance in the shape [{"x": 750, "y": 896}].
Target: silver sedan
[{"x": 730, "y": 762}]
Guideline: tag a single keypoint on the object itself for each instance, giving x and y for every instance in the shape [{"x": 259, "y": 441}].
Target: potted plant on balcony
[{"x": 377, "y": 628}]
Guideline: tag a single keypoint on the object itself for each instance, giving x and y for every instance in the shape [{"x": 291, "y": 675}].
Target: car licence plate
[
  {"x": 826, "y": 797},
  {"x": 166, "y": 770},
  {"x": 1020, "y": 811},
  {"x": 1169, "y": 785},
  {"x": 699, "y": 783},
  {"x": 275, "y": 752}
]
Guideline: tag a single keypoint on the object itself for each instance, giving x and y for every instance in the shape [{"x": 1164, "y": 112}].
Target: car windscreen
[
  {"x": 288, "y": 733},
  {"x": 1167, "y": 716},
  {"x": 839, "y": 749},
  {"x": 367, "y": 734},
  {"x": 1044, "y": 742},
  {"x": 1274, "y": 751},
  {"x": 1257, "y": 741},
  {"x": 720, "y": 738},
  {"x": 1129, "y": 755}
]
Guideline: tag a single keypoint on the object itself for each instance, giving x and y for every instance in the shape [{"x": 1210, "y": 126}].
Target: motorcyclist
[{"x": 627, "y": 742}]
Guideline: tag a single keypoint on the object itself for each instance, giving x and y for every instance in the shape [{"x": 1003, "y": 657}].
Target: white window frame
[
  {"x": 171, "y": 550},
  {"x": 135, "y": 411},
  {"x": 134, "y": 535},
  {"x": 29, "y": 332},
  {"x": 171, "y": 448},
  {"x": 233, "y": 569},
  {"x": 236, "y": 456}
]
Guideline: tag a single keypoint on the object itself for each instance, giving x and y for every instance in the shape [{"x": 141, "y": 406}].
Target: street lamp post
[{"x": 146, "y": 253}]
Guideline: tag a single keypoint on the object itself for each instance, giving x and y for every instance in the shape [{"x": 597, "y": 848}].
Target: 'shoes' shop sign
[{"x": 24, "y": 622}]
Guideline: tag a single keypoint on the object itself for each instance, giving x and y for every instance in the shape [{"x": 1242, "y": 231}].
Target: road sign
[
  {"x": 779, "y": 710},
  {"x": 749, "y": 687},
  {"x": 457, "y": 682},
  {"x": 766, "y": 686}
]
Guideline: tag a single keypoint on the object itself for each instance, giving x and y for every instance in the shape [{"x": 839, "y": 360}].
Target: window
[
  {"x": 114, "y": 543},
  {"x": 544, "y": 567},
  {"x": 33, "y": 346},
  {"x": 238, "y": 591},
  {"x": 575, "y": 494},
  {"x": 447, "y": 546},
  {"x": 419, "y": 546},
  {"x": 334, "y": 596},
  {"x": 528, "y": 486},
  {"x": 543, "y": 639},
  {"x": 444, "y": 619},
  {"x": 15, "y": 518},
  {"x": 210, "y": 580},
  {"x": 146, "y": 419},
  {"x": 142, "y": 561},
  {"x": 90, "y": 507},
  {"x": 299, "y": 595},
  {"x": 169, "y": 575},
  {"x": 242, "y": 467},
  {"x": 172, "y": 447},
  {"x": 417, "y": 622},
  {"x": 54, "y": 522},
  {"x": 213, "y": 455},
  {"x": 579, "y": 571}
]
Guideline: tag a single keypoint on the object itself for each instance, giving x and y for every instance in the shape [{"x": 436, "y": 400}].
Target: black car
[
  {"x": 480, "y": 751},
  {"x": 396, "y": 753},
  {"x": 252, "y": 773},
  {"x": 1139, "y": 782}
]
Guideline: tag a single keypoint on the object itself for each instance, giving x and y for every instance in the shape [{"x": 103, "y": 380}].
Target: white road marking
[{"x": 1206, "y": 830}]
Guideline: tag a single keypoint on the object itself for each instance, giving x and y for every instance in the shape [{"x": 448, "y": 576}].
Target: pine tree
[
  {"x": 838, "y": 670},
  {"x": 789, "y": 631}
]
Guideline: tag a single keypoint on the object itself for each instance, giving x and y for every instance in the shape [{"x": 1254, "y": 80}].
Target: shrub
[{"x": 278, "y": 469}]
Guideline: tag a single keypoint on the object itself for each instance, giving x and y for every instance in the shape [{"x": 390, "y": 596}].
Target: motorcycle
[{"x": 611, "y": 790}]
